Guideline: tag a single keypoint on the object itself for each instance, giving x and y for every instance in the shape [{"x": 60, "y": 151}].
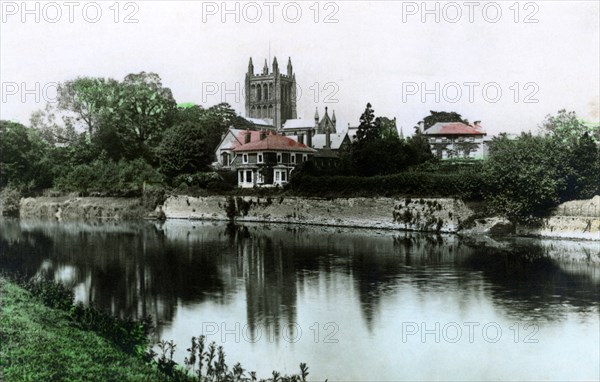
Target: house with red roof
[
  {"x": 456, "y": 140},
  {"x": 269, "y": 160}
]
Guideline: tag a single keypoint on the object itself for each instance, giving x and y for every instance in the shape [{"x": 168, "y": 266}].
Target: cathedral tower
[{"x": 271, "y": 95}]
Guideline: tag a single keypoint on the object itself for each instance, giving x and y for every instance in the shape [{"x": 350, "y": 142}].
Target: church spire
[
  {"x": 316, "y": 114},
  {"x": 333, "y": 117},
  {"x": 250, "y": 67},
  {"x": 275, "y": 66},
  {"x": 289, "y": 67},
  {"x": 265, "y": 68}
]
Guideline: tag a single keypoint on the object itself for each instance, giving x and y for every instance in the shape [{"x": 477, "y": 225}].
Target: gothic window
[
  {"x": 271, "y": 91},
  {"x": 258, "y": 92},
  {"x": 266, "y": 92},
  {"x": 253, "y": 93},
  {"x": 271, "y": 111}
]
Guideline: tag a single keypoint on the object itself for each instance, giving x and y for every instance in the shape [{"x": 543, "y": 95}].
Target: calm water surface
[{"x": 353, "y": 304}]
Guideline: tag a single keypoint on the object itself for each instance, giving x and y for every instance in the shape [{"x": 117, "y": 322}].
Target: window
[
  {"x": 249, "y": 176},
  {"x": 277, "y": 176},
  {"x": 444, "y": 139},
  {"x": 432, "y": 140},
  {"x": 293, "y": 158},
  {"x": 278, "y": 158},
  {"x": 241, "y": 177},
  {"x": 245, "y": 158},
  {"x": 471, "y": 139},
  {"x": 304, "y": 158},
  {"x": 260, "y": 158},
  {"x": 283, "y": 176}
]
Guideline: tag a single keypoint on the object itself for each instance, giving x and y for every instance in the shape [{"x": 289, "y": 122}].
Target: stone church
[{"x": 271, "y": 95}]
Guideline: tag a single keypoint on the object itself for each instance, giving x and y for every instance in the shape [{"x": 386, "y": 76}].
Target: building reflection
[{"x": 142, "y": 269}]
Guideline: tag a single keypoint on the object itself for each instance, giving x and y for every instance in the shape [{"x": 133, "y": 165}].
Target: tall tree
[
  {"x": 369, "y": 128},
  {"x": 85, "y": 99}
]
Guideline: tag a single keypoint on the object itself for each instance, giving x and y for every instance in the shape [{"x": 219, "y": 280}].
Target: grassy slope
[{"x": 41, "y": 344}]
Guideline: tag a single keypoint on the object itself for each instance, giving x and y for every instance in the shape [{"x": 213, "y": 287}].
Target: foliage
[
  {"x": 10, "y": 199},
  {"x": 103, "y": 174},
  {"x": 567, "y": 128},
  {"x": 528, "y": 175},
  {"x": 39, "y": 343},
  {"x": 464, "y": 184},
  {"x": 22, "y": 153},
  {"x": 379, "y": 151},
  {"x": 71, "y": 331}
]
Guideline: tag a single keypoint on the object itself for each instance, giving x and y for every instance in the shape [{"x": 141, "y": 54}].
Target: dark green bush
[{"x": 461, "y": 184}]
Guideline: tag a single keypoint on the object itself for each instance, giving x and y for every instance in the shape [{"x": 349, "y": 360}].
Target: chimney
[
  {"x": 301, "y": 138},
  {"x": 263, "y": 134},
  {"x": 309, "y": 138},
  {"x": 328, "y": 139},
  {"x": 476, "y": 123},
  {"x": 248, "y": 135}
]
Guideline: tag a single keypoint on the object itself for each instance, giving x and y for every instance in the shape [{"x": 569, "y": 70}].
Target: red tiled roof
[
  {"x": 274, "y": 143},
  {"x": 454, "y": 128}
]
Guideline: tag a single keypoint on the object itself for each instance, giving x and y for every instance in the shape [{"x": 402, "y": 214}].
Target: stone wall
[
  {"x": 436, "y": 215},
  {"x": 577, "y": 219},
  {"x": 75, "y": 208}
]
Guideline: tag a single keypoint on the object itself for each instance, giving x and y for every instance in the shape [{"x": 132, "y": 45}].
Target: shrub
[{"x": 10, "y": 199}]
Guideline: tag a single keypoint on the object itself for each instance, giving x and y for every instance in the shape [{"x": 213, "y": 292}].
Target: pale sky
[{"x": 379, "y": 52}]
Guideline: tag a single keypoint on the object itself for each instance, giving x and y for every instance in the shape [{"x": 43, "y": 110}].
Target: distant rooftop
[
  {"x": 298, "y": 123},
  {"x": 274, "y": 143},
  {"x": 454, "y": 128}
]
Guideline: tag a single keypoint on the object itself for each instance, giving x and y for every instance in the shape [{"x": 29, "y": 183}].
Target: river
[{"x": 353, "y": 304}]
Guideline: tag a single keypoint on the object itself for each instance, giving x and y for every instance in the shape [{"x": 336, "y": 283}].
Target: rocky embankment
[
  {"x": 78, "y": 208},
  {"x": 441, "y": 215},
  {"x": 572, "y": 220}
]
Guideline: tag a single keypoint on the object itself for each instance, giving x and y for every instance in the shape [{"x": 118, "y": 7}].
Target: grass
[{"x": 38, "y": 343}]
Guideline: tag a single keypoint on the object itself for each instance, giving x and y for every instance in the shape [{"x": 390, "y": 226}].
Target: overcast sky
[{"x": 542, "y": 56}]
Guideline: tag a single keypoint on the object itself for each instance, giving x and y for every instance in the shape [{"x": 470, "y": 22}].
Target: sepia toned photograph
[{"x": 293, "y": 191}]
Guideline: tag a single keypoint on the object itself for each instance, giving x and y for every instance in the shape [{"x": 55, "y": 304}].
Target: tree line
[{"x": 112, "y": 136}]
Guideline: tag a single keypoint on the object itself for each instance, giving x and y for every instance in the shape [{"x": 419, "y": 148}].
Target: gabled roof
[
  {"x": 260, "y": 122},
  {"x": 275, "y": 143},
  {"x": 298, "y": 123},
  {"x": 318, "y": 140},
  {"x": 239, "y": 136},
  {"x": 454, "y": 128}
]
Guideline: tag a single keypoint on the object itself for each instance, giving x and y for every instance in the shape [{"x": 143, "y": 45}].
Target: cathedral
[{"x": 271, "y": 95}]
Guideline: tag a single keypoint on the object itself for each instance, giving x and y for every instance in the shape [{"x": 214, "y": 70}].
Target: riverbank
[
  {"x": 578, "y": 220},
  {"x": 572, "y": 220},
  {"x": 42, "y": 344}
]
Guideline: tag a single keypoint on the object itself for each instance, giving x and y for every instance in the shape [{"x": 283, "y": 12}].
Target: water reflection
[{"x": 184, "y": 272}]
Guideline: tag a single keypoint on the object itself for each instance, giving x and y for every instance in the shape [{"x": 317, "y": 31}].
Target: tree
[
  {"x": 85, "y": 99},
  {"x": 524, "y": 175},
  {"x": 388, "y": 128},
  {"x": 45, "y": 122},
  {"x": 189, "y": 146},
  {"x": 22, "y": 154},
  {"x": 376, "y": 151},
  {"x": 143, "y": 111},
  {"x": 567, "y": 128},
  {"x": 419, "y": 148},
  {"x": 442, "y": 116},
  {"x": 369, "y": 128}
]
